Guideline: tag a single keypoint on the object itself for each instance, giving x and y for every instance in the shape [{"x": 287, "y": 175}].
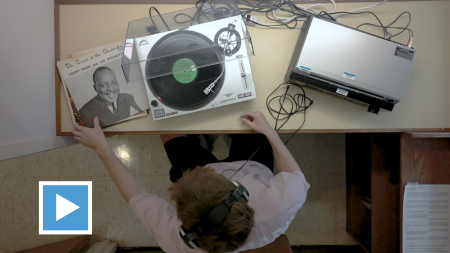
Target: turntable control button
[
  {"x": 154, "y": 103},
  {"x": 175, "y": 112},
  {"x": 248, "y": 94},
  {"x": 159, "y": 113},
  {"x": 241, "y": 96}
]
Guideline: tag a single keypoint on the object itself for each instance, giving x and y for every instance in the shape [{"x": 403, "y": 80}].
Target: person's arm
[
  {"x": 135, "y": 105},
  {"x": 284, "y": 158},
  {"x": 94, "y": 138}
]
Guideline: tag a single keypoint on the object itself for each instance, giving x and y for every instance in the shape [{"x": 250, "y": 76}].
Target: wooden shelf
[
  {"x": 379, "y": 166},
  {"x": 373, "y": 168}
]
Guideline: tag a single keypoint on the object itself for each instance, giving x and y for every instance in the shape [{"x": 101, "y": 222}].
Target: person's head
[
  {"x": 198, "y": 191},
  {"x": 106, "y": 85}
]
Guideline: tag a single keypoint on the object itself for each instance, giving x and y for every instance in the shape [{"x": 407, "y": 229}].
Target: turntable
[{"x": 192, "y": 68}]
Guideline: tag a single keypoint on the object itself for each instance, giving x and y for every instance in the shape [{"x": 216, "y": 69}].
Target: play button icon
[{"x": 64, "y": 207}]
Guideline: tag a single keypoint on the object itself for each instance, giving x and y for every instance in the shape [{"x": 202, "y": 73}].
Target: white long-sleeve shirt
[{"x": 275, "y": 200}]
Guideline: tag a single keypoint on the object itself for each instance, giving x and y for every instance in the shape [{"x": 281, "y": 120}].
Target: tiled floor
[{"x": 321, "y": 221}]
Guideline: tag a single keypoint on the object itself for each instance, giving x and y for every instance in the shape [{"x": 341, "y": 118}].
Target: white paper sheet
[{"x": 426, "y": 218}]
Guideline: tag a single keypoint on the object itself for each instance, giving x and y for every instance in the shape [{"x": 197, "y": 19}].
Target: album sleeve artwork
[{"x": 96, "y": 86}]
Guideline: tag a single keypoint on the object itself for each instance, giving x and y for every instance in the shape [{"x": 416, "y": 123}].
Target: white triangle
[{"x": 64, "y": 207}]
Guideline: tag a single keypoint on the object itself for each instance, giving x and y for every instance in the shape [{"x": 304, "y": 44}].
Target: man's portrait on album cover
[{"x": 109, "y": 105}]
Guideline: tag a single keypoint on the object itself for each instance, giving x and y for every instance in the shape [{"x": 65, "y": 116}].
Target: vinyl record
[{"x": 186, "y": 49}]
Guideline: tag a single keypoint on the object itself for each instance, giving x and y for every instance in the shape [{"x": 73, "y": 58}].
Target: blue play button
[{"x": 65, "y": 207}]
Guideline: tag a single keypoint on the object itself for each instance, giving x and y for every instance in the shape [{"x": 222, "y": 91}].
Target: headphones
[{"x": 213, "y": 217}]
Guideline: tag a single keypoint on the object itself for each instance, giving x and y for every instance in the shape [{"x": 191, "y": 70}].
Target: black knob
[{"x": 154, "y": 103}]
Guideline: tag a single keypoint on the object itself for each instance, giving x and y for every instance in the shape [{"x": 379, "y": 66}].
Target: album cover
[{"x": 95, "y": 86}]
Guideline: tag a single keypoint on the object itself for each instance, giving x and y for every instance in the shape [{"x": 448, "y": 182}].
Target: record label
[{"x": 186, "y": 76}]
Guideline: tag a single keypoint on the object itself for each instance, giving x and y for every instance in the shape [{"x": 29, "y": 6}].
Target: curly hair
[{"x": 198, "y": 191}]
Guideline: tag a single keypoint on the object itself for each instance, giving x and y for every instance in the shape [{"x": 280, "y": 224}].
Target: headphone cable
[{"x": 299, "y": 100}]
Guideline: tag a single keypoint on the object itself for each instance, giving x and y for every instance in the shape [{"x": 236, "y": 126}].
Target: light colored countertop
[{"x": 425, "y": 104}]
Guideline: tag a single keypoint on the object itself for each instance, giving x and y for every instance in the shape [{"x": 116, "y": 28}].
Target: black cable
[
  {"x": 270, "y": 7},
  {"x": 264, "y": 6},
  {"x": 301, "y": 106},
  {"x": 281, "y": 107},
  {"x": 243, "y": 164},
  {"x": 410, "y": 32},
  {"x": 386, "y": 33},
  {"x": 299, "y": 103},
  {"x": 199, "y": 12},
  {"x": 182, "y": 22},
  {"x": 359, "y": 13},
  {"x": 406, "y": 27},
  {"x": 284, "y": 23},
  {"x": 260, "y": 23},
  {"x": 326, "y": 13},
  {"x": 150, "y": 14}
]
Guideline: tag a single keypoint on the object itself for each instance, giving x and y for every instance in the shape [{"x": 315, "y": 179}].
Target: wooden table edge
[{"x": 287, "y": 131}]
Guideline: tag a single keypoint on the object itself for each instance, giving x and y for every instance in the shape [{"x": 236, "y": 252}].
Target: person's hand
[
  {"x": 257, "y": 122},
  {"x": 91, "y": 137}
]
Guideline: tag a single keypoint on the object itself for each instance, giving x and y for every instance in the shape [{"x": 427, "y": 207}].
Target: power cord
[
  {"x": 386, "y": 33},
  {"x": 296, "y": 12},
  {"x": 150, "y": 14}
]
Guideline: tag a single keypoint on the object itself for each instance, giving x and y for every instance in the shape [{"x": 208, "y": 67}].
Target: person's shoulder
[
  {"x": 87, "y": 113},
  {"x": 89, "y": 106},
  {"x": 125, "y": 96}
]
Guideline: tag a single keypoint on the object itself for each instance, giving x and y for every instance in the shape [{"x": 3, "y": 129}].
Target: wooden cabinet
[{"x": 378, "y": 168}]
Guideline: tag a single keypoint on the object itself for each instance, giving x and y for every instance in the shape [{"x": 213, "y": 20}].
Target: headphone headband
[{"x": 213, "y": 216}]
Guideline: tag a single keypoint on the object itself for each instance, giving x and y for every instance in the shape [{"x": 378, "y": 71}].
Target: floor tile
[
  {"x": 44, "y": 164},
  {"x": 341, "y": 237},
  {"x": 7, "y": 244},
  {"x": 26, "y": 201},
  {"x": 222, "y": 145},
  {"x": 144, "y": 155},
  {"x": 7, "y": 194},
  {"x": 322, "y": 195},
  {"x": 129, "y": 234},
  {"x": 80, "y": 161},
  {"x": 318, "y": 153},
  {"x": 116, "y": 209},
  {"x": 8, "y": 167},
  {"x": 314, "y": 223},
  {"x": 311, "y": 229}
]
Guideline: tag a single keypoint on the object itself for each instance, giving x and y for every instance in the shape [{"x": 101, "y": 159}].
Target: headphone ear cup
[
  {"x": 185, "y": 237},
  {"x": 243, "y": 190},
  {"x": 247, "y": 198}
]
